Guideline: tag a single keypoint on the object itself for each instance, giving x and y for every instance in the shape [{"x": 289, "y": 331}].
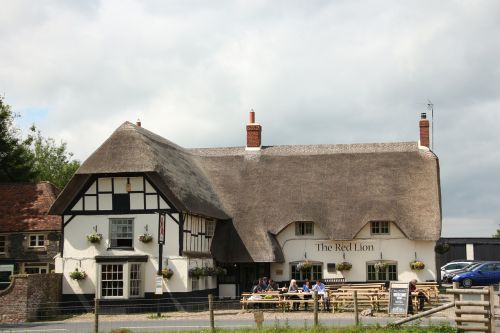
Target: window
[
  {"x": 3, "y": 242},
  {"x": 135, "y": 280},
  {"x": 380, "y": 228},
  {"x": 304, "y": 228},
  {"x": 121, "y": 280},
  {"x": 36, "y": 268},
  {"x": 37, "y": 240},
  {"x": 210, "y": 228},
  {"x": 112, "y": 280},
  {"x": 389, "y": 273},
  {"x": 313, "y": 273},
  {"x": 122, "y": 233}
]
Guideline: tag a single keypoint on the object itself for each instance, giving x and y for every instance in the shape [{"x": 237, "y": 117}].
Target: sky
[{"x": 314, "y": 72}]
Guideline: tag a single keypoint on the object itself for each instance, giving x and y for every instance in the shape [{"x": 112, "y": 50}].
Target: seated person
[
  {"x": 271, "y": 285},
  {"x": 263, "y": 283},
  {"x": 307, "y": 289},
  {"x": 421, "y": 297},
  {"x": 322, "y": 292},
  {"x": 294, "y": 289}
]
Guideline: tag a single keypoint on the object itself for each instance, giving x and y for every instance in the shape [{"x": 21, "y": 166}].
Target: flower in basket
[
  {"x": 78, "y": 275},
  {"x": 146, "y": 238},
  {"x": 219, "y": 271},
  {"x": 209, "y": 271},
  {"x": 94, "y": 237},
  {"x": 417, "y": 265},
  {"x": 304, "y": 265},
  {"x": 344, "y": 266},
  {"x": 167, "y": 273},
  {"x": 380, "y": 266},
  {"x": 196, "y": 272}
]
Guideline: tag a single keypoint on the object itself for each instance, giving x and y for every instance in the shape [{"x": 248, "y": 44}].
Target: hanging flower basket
[
  {"x": 344, "y": 266},
  {"x": 417, "y": 265},
  {"x": 304, "y": 265},
  {"x": 442, "y": 248},
  {"x": 145, "y": 238},
  {"x": 78, "y": 275},
  {"x": 209, "y": 271},
  {"x": 94, "y": 238},
  {"x": 380, "y": 266},
  {"x": 219, "y": 271},
  {"x": 167, "y": 273},
  {"x": 196, "y": 272}
]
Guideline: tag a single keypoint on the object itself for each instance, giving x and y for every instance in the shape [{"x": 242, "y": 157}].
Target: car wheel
[{"x": 467, "y": 283}]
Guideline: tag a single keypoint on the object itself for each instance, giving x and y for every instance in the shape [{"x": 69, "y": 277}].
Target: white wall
[{"x": 365, "y": 247}]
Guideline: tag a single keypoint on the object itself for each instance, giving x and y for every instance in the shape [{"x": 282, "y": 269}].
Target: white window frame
[
  {"x": 314, "y": 273},
  {"x": 386, "y": 272},
  {"x": 36, "y": 265},
  {"x": 112, "y": 233},
  {"x": 301, "y": 228},
  {"x": 38, "y": 239},
  {"x": 126, "y": 280},
  {"x": 380, "y": 227},
  {"x": 3, "y": 244}
]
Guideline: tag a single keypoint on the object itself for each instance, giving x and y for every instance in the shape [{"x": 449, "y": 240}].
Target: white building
[{"x": 258, "y": 210}]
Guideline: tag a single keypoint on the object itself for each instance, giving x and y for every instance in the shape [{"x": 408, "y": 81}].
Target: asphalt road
[{"x": 189, "y": 324}]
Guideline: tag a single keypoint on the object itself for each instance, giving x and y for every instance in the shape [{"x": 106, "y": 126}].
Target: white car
[{"x": 452, "y": 267}]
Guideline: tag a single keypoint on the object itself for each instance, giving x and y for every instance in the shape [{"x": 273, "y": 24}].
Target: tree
[
  {"x": 16, "y": 160},
  {"x": 497, "y": 235},
  {"x": 52, "y": 162}
]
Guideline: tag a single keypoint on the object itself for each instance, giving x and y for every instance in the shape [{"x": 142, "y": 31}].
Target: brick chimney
[
  {"x": 424, "y": 130},
  {"x": 138, "y": 123},
  {"x": 254, "y": 131}
]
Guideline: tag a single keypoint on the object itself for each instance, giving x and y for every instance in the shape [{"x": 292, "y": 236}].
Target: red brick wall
[{"x": 30, "y": 297}]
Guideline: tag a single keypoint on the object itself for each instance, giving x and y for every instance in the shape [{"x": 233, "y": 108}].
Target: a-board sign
[
  {"x": 159, "y": 285},
  {"x": 398, "y": 298}
]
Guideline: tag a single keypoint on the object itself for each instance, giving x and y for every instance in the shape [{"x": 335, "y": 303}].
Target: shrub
[{"x": 196, "y": 272}]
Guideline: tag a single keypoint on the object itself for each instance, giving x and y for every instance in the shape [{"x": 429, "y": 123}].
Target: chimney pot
[
  {"x": 252, "y": 117},
  {"x": 423, "y": 115},
  {"x": 138, "y": 123}
]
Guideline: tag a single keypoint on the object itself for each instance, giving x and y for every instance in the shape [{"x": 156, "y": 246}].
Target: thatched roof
[
  {"x": 339, "y": 187},
  {"x": 134, "y": 149}
]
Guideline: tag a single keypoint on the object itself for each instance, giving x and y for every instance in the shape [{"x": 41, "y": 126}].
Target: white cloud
[{"x": 315, "y": 72}]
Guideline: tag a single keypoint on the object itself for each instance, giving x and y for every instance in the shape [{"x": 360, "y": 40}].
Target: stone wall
[{"x": 30, "y": 297}]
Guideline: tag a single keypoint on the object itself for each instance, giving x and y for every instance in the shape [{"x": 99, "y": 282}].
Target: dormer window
[
  {"x": 379, "y": 228},
  {"x": 304, "y": 228}
]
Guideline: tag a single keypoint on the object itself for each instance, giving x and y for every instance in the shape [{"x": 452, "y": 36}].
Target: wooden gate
[{"x": 475, "y": 315}]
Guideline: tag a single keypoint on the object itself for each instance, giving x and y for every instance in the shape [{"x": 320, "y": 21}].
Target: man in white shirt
[{"x": 323, "y": 293}]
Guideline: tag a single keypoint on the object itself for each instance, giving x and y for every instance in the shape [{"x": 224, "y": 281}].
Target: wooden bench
[
  {"x": 430, "y": 289},
  {"x": 273, "y": 298},
  {"x": 372, "y": 298}
]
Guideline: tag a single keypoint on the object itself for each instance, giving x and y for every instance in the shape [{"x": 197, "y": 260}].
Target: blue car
[{"x": 483, "y": 274}]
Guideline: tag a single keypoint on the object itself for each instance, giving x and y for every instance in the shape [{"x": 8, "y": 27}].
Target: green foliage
[
  {"x": 34, "y": 159},
  {"x": 16, "y": 160},
  {"x": 52, "y": 162},
  {"x": 497, "y": 234}
]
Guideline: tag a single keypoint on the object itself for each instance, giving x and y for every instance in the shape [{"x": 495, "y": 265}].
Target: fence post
[
  {"x": 96, "y": 315},
  {"x": 211, "y": 310},
  {"x": 491, "y": 316},
  {"x": 356, "y": 313},
  {"x": 315, "y": 296}
]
